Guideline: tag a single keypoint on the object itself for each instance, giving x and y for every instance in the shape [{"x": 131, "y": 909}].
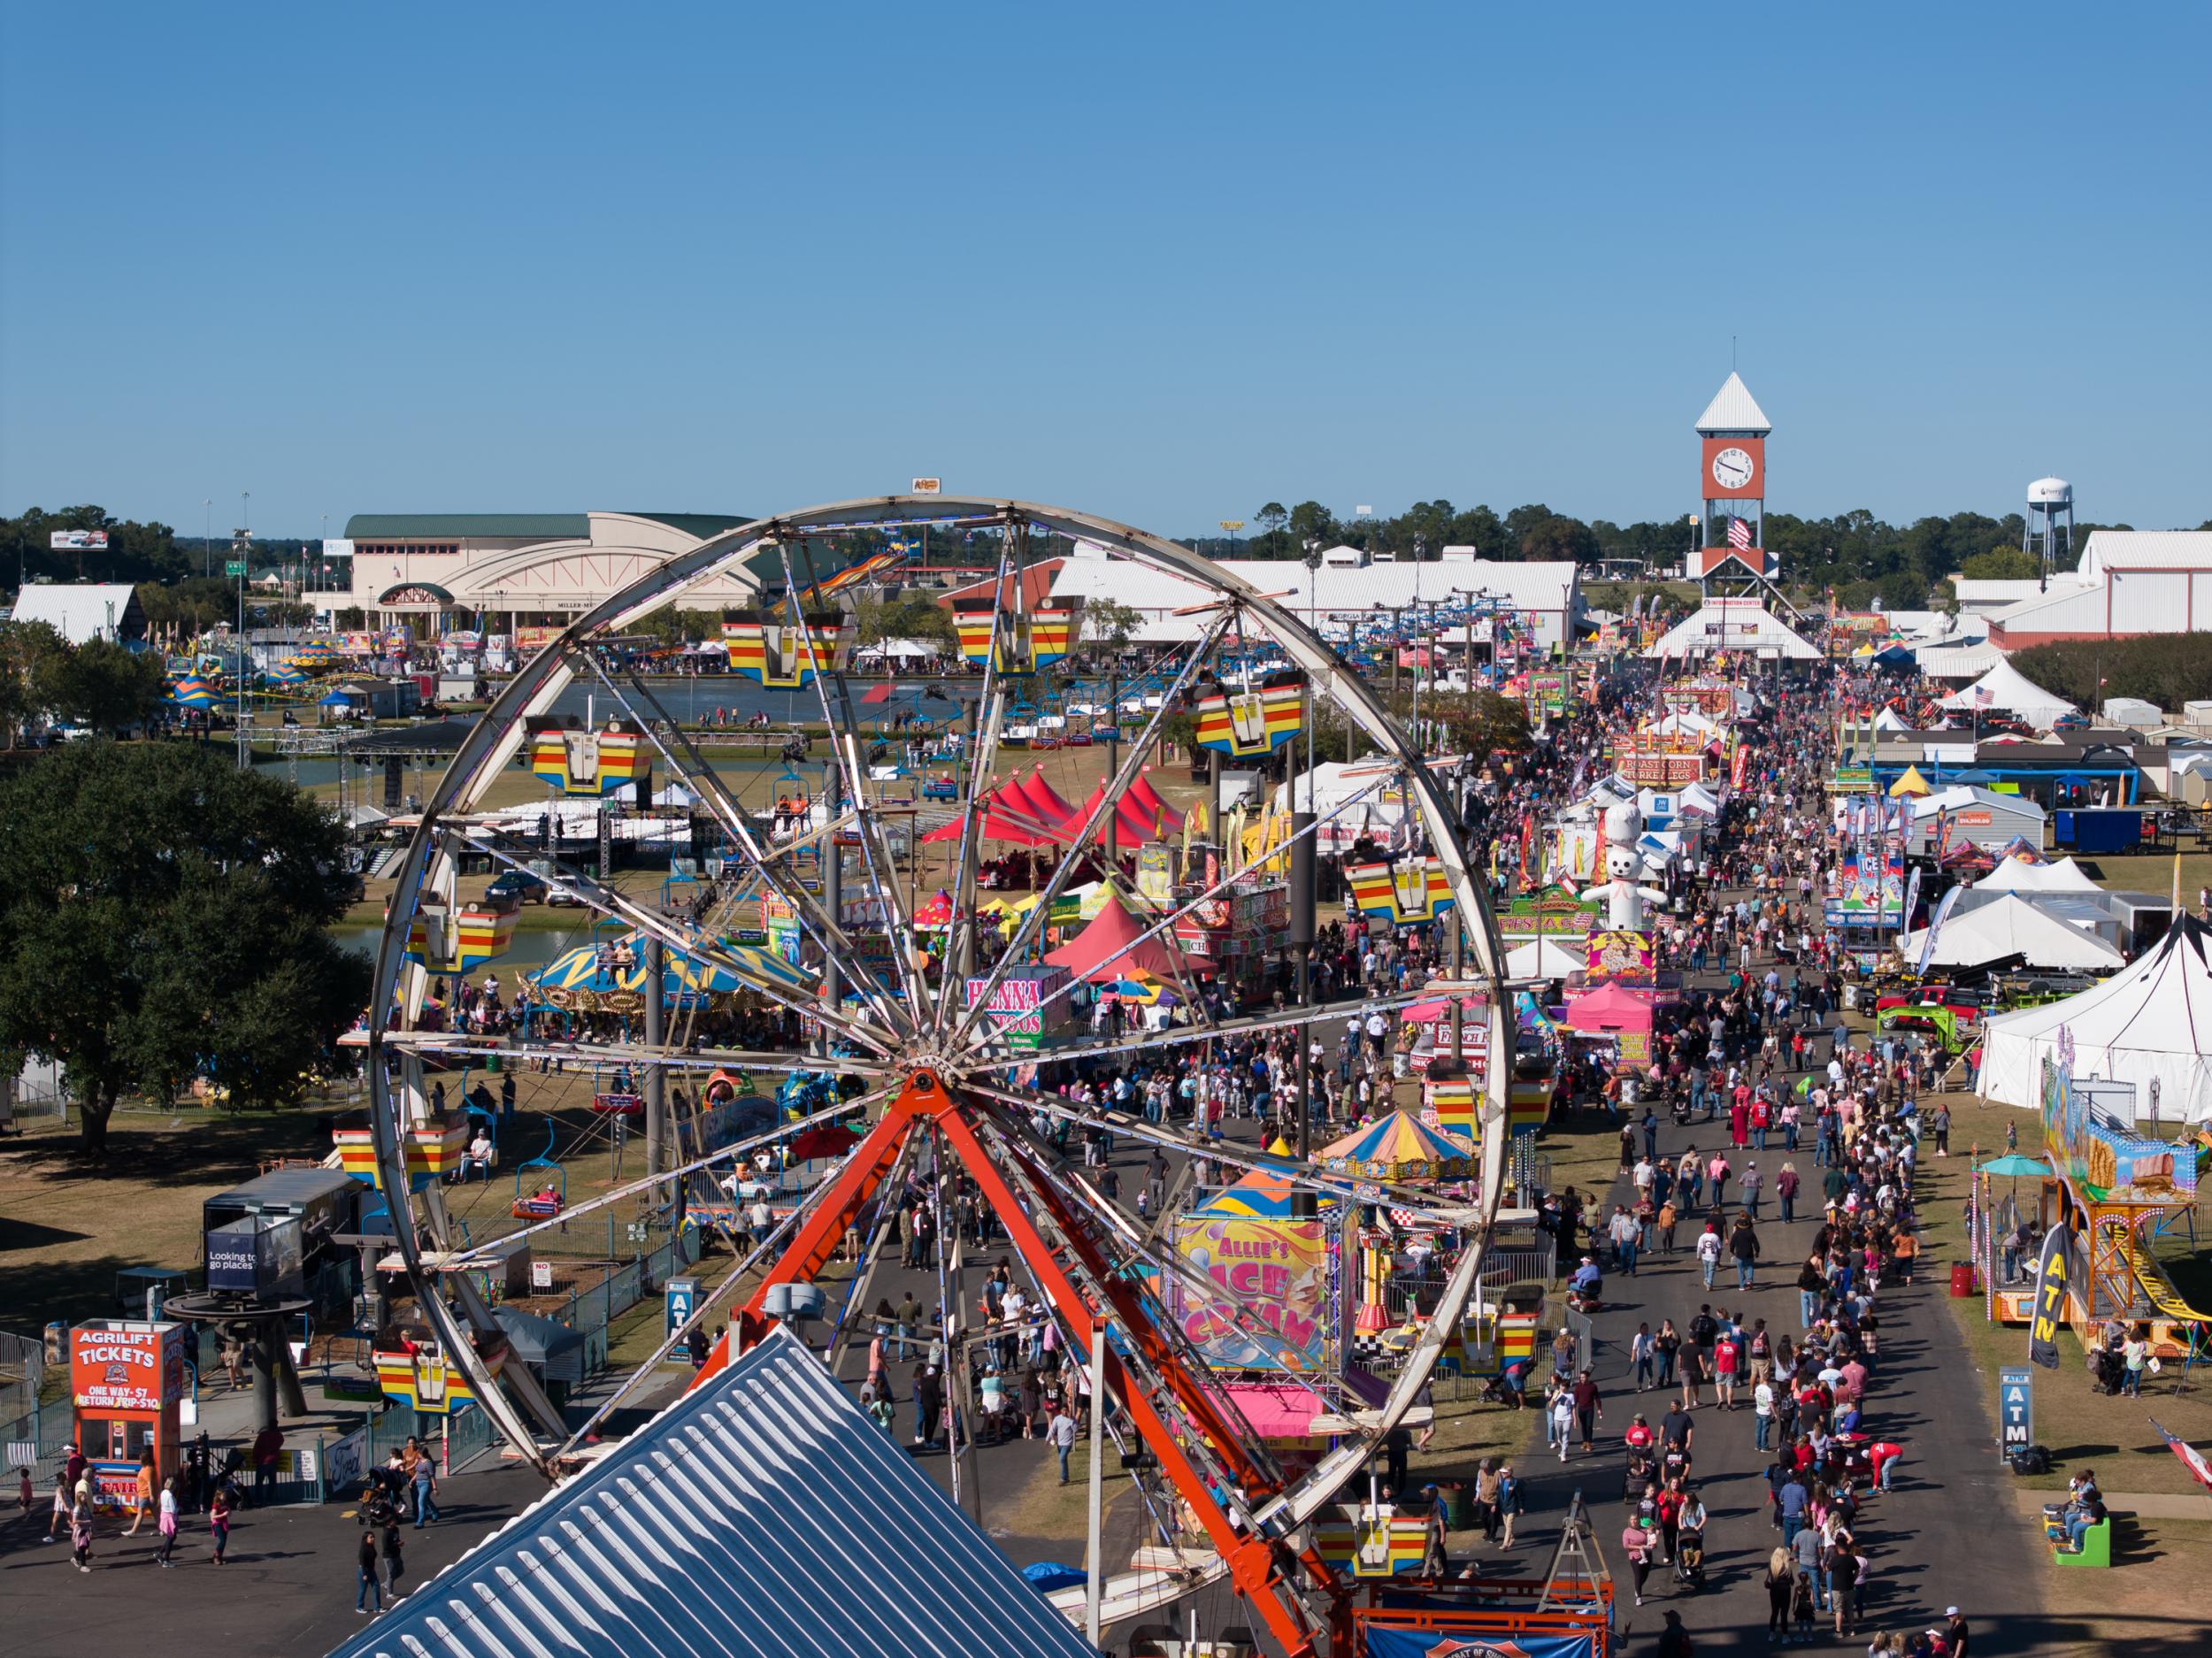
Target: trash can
[
  {"x": 1459, "y": 1505},
  {"x": 1963, "y": 1280}
]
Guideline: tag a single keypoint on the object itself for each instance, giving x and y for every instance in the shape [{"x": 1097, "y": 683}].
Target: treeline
[
  {"x": 2166, "y": 669},
  {"x": 1856, "y": 554}
]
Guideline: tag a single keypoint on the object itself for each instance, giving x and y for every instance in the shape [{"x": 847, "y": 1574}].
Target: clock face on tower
[{"x": 1731, "y": 468}]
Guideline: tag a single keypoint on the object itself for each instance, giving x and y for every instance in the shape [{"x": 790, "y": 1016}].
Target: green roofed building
[{"x": 525, "y": 575}]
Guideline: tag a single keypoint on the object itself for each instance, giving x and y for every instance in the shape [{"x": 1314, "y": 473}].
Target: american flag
[
  {"x": 1739, "y": 532},
  {"x": 1984, "y": 696}
]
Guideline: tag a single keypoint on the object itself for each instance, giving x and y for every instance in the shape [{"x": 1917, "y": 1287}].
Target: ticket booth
[{"x": 127, "y": 1379}]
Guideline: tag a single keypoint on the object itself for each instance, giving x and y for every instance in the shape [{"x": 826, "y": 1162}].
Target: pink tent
[
  {"x": 1609, "y": 1011},
  {"x": 1096, "y": 953}
]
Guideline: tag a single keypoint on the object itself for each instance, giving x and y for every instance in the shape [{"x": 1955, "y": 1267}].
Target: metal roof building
[
  {"x": 527, "y": 574},
  {"x": 2129, "y": 582},
  {"x": 1550, "y": 592},
  {"x": 80, "y": 610},
  {"x": 761, "y": 1514}
]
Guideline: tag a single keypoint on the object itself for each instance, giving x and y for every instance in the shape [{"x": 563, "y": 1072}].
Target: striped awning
[{"x": 761, "y": 1514}]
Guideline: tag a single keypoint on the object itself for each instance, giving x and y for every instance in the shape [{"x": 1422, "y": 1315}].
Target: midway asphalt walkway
[{"x": 1948, "y": 1534}]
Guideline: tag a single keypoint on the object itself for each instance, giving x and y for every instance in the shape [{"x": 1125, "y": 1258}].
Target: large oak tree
[{"x": 163, "y": 915}]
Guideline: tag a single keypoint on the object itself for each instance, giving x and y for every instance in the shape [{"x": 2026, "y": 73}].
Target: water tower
[{"x": 2049, "y": 533}]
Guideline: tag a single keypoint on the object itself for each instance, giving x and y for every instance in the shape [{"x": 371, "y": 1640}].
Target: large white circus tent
[{"x": 2150, "y": 1023}]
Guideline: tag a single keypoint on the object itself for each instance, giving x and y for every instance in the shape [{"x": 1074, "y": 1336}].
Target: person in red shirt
[
  {"x": 1639, "y": 1437},
  {"x": 1885, "y": 1455}
]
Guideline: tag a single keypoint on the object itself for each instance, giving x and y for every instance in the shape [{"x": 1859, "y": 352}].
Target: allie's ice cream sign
[{"x": 138, "y": 1367}]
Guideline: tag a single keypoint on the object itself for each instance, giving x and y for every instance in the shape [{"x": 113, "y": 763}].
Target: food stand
[{"x": 125, "y": 1383}]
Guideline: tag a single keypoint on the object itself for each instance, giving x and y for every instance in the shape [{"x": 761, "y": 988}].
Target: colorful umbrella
[{"x": 191, "y": 690}]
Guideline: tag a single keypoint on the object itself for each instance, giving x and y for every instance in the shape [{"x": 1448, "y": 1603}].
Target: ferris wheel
[{"x": 922, "y": 1055}]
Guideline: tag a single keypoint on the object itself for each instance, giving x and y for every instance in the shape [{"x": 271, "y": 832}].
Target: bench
[{"x": 2095, "y": 1550}]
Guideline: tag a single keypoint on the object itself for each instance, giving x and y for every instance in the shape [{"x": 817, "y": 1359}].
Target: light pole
[
  {"x": 207, "y": 537},
  {"x": 245, "y": 542}
]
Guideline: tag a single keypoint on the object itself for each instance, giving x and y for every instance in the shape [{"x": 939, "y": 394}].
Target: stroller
[
  {"x": 2104, "y": 1371},
  {"x": 1509, "y": 1386},
  {"x": 1689, "y": 1558}
]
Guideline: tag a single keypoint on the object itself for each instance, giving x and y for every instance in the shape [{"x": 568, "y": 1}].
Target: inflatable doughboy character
[{"x": 1624, "y": 898}]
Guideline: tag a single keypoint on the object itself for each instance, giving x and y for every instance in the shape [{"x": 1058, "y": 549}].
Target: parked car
[{"x": 518, "y": 887}]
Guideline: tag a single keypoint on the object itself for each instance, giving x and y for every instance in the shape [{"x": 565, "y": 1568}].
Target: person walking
[
  {"x": 1589, "y": 1408},
  {"x": 1062, "y": 1433},
  {"x": 168, "y": 1520},
  {"x": 1562, "y": 1415},
  {"x": 1642, "y": 1355},
  {"x": 1636, "y": 1544},
  {"x": 1781, "y": 1582},
  {"x": 219, "y": 1522},
  {"x": 1812, "y": 1288},
  {"x": 1786, "y": 1185},
  {"x": 1511, "y": 1500},
  {"x": 1845, "y": 1569},
  {"x": 425, "y": 1484},
  {"x": 80, "y": 1528},
  {"x": 395, "y": 1563},
  {"x": 366, "y": 1584},
  {"x": 1668, "y": 1346},
  {"x": 1750, "y": 1183},
  {"x": 1743, "y": 1244},
  {"x": 1708, "y": 1252},
  {"x": 57, "y": 1527},
  {"x": 141, "y": 1494}
]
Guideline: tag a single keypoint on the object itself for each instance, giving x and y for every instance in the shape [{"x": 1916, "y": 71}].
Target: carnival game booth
[
  {"x": 2108, "y": 1194},
  {"x": 1616, "y": 1017},
  {"x": 126, "y": 1385}
]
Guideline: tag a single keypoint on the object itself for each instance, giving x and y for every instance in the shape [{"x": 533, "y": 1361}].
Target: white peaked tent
[
  {"x": 2008, "y": 926},
  {"x": 2151, "y": 1022},
  {"x": 1546, "y": 958},
  {"x": 2012, "y": 876},
  {"x": 2011, "y": 692}
]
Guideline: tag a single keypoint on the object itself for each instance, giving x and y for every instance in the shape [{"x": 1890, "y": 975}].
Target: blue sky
[{"x": 1162, "y": 263}]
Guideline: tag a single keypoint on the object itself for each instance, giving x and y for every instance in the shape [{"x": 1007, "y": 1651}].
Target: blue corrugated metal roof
[{"x": 761, "y": 1514}]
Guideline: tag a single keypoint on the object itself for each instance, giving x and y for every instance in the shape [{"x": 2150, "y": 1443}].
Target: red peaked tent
[
  {"x": 1093, "y": 954},
  {"x": 1135, "y": 825},
  {"x": 1006, "y": 816},
  {"x": 1148, "y": 801},
  {"x": 1046, "y": 796},
  {"x": 1043, "y": 805}
]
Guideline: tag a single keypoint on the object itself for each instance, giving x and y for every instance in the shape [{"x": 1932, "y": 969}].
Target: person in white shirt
[{"x": 1763, "y": 1412}]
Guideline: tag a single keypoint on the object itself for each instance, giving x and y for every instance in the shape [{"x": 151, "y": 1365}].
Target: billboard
[
  {"x": 127, "y": 1366},
  {"x": 77, "y": 540},
  {"x": 1277, "y": 1270}
]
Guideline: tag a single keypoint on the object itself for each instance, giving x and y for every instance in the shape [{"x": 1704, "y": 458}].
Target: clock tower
[{"x": 1731, "y": 559}]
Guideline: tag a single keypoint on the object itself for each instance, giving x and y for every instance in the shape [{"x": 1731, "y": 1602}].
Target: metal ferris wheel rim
[{"x": 492, "y": 743}]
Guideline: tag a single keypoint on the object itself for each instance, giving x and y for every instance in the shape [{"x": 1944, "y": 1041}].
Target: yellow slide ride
[{"x": 2160, "y": 1288}]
